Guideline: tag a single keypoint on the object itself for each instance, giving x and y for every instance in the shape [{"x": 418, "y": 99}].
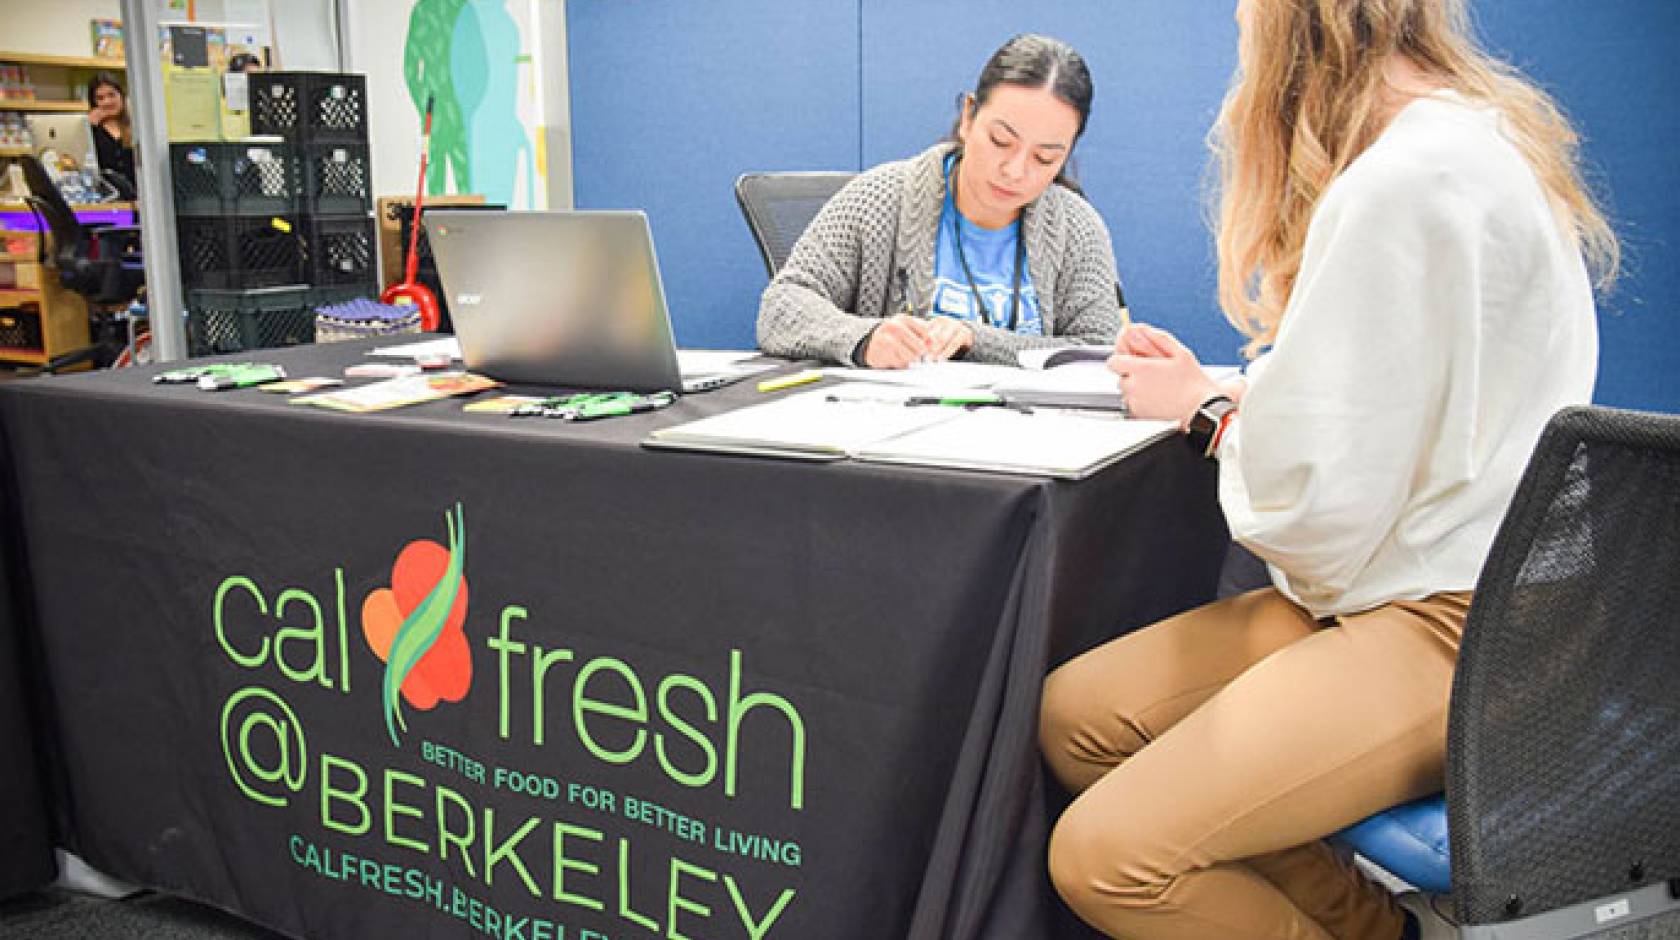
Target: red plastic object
[{"x": 409, "y": 291}]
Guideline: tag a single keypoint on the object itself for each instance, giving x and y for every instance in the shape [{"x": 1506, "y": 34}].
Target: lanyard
[{"x": 1020, "y": 260}]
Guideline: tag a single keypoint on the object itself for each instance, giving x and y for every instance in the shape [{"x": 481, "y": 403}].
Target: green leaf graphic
[{"x": 422, "y": 628}]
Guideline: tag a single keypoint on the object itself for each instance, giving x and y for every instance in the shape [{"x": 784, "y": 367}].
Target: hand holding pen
[{"x": 911, "y": 335}]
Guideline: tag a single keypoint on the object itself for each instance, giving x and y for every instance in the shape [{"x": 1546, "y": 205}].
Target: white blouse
[{"x": 1442, "y": 314}]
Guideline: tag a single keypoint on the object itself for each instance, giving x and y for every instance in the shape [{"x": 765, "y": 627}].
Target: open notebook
[
  {"x": 873, "y": 424},
  {"x": 1066, "y": 444}
]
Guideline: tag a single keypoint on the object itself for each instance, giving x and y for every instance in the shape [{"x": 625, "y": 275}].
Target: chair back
[
  {"x": 1563, "y": 778},
  {"x": 47, "y": 202},
  {"x": 778, "y": 206}
]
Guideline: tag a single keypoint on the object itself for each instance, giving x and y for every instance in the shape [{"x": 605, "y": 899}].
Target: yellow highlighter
[{"x": 789, "y": 381}]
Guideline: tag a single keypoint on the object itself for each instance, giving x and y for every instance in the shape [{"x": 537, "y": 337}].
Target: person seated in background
[
  {"x": 979, "y": 247},
  {"x": 1403, "y": 223},
  {"x": 113, "y": 132}
]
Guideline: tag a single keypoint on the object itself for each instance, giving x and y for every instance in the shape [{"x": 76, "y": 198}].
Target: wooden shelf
[
  {"x": 62, "y": 61},
  {"x": 15, "y": 296},
  {"x": 15, "y": 151},
  {"x": 12, "y": 104},
  {"x": 17, "y": 205},
  {"x": 32, "y": 356}
]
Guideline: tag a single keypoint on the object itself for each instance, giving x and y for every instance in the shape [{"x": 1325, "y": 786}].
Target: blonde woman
[{"x": 1403, "y": 228}]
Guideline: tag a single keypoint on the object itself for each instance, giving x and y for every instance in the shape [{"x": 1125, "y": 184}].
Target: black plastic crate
[
  {"x": 339, "y": 250},
  {"x": 20, "y": 329},
  {"x": 244, "y": 178},
  {"x": 337, "y": 179},
  {"x": 230, "y": 321},
  {"x": 310, "y": 107},
  {"x": 404, "y": 214},
  {"x": 230, "y": 253}
]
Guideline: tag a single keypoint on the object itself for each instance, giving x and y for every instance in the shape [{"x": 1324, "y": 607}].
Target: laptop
[{"x": 564, "y": 298}]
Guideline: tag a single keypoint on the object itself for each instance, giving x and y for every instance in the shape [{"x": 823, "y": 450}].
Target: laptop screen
[{"x": 569, "y": 299}]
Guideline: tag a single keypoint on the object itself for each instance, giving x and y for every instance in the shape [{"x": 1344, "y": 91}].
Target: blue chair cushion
[{"x": 1409, "y": 840}]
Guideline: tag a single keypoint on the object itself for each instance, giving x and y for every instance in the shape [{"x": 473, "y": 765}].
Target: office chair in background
[
  {"x": 778, "y": 206},
  {"x": 102, "y": 264},
  {"x": 1563, "y": 745}
]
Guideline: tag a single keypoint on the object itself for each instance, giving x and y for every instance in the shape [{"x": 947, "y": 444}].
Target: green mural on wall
[
  {"x": 466, "y": 56},
  {"x": 427, "y": 71},
  {"x": 486, "y": 60}
]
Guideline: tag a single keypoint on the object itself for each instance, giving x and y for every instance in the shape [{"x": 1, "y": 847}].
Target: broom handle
[{"x": 412, "y": 269}]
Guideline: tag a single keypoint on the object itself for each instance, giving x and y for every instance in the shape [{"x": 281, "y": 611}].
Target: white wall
[
  {"x": 306, "y": 34},
  {"x": 378, "y": 29},
  {"x": 52, "y": 27}
]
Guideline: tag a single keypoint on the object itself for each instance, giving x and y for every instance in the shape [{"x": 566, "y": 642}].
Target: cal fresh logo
[{"x": 416, "y": 626}]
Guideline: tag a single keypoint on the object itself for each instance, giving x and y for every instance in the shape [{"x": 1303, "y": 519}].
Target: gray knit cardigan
[{"x": 842, "y": 276}]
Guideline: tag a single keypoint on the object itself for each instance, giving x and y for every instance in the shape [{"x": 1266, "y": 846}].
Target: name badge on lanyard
[{"x": 952, "y": 302}]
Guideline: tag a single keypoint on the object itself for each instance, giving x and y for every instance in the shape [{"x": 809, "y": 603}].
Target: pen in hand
[
  {"x": 908, "y": 308},
  {"x": 907, "y": 304}
]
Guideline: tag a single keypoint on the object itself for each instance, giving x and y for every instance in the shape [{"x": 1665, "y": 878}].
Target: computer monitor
[{"x": 64, "y": 142}]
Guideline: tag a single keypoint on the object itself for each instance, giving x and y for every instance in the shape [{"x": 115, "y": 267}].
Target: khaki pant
[{"x": 1212, "y": 751}]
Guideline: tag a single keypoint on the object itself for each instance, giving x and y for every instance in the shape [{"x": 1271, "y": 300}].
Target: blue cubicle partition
[{"x": 671, "y": 101}]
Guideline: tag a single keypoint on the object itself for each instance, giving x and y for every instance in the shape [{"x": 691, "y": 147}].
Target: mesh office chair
[
  {"x": 1563, "y": 767},
  {"x": 102, "y": 263},
  {"x": 778, "y": 206}
]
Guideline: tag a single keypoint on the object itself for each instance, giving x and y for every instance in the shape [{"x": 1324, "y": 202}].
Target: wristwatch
[{"x": 1207, "y": 425}]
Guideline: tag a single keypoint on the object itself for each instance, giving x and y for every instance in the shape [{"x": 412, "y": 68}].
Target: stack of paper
[{"x": 1085, "y": 384}]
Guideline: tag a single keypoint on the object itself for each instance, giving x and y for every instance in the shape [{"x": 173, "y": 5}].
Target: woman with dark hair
[
  {"x": 113, "y": 132},
  {"x": 977, "y": 248}
]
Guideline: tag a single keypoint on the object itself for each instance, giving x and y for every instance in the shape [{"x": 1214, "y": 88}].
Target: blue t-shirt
[{"x": 991, "y": 258}]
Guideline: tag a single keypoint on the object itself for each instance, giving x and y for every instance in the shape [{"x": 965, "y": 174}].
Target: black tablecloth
[
  {"x": 429, "y": 673},
  {"x": 26, "y": 859}
]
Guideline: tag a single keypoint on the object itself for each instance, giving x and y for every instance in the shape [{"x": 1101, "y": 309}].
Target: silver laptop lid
[
  {"x": 571, "y": 299},
  {"x": 58, "y": 136}
]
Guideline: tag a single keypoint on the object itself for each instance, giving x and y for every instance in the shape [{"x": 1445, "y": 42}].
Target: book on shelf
[{"x": 107, "y": 38}]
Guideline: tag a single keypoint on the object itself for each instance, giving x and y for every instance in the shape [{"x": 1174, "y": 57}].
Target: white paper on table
[
  {"x": 1086, "y": 377},
  {"x": 820, "y": 424},
  {"x": 1065, "y": 355},
  {"x": 712, "y": 361},
  {"x": 934, "y": 375},
  {"x": 442, "y": 346},
  {"x": 1045, "y": 442}
]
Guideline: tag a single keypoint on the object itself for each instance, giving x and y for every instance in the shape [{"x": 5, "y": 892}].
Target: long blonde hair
[{"x": 1308, "y": 98}]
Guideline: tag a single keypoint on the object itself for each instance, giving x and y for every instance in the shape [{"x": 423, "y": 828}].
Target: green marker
[{"x": 958, "y": 401}]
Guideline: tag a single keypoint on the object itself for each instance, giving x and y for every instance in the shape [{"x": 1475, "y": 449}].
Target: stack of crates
[{"x": 276, "y": 225}]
